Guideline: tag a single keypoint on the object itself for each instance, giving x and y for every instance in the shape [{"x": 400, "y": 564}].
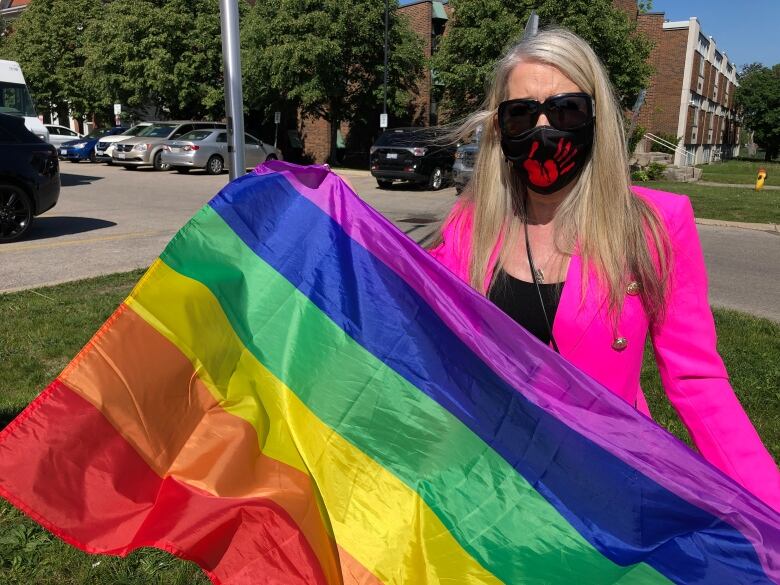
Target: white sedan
[{"x": 60, "y": 134}]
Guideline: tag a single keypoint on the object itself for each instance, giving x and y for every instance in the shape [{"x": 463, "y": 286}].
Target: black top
[{"x": 519, "y": 300}]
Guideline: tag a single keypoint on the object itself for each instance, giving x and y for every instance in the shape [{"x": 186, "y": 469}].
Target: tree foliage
[
  {"x": 161, "y": 53},
  {"x": 758, "y": 98},
  {"x": 326, "y": 58},
  {"x": 47, "y": 41},
  {"x": 482, "y": 29},
  {"x": 85, "y": 55}
]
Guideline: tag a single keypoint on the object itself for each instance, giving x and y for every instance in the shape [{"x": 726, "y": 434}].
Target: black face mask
[{"x": 548, "y": 159}]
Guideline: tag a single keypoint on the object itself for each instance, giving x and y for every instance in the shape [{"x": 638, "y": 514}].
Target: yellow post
[{"x": 760, "y": 179}]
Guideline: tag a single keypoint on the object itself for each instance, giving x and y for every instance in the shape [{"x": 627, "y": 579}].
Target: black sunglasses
[{"x": 565, "y": 111}]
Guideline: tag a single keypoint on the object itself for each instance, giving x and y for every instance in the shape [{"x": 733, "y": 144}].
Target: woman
[{"x": 551, "y": 231}]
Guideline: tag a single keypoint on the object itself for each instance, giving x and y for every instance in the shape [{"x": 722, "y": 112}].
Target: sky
[{"x": 747, "y": 30}]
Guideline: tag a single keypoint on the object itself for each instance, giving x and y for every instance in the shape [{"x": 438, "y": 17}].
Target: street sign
[
  {"x": 277, "y": 117},
  {"x": 383, "y": 120},
  {"x": 117, "y": 109}
]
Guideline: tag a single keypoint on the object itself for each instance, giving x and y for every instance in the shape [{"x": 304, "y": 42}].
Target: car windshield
[
  {"x": 135, "y": 130},
  {"x": 407, "y": 137},
  {"x": 195, "y": 135},
  {"x": 16, "y": 100},
  {"x": 97, "y": 133},
  {"x": 157, "y": 130}
]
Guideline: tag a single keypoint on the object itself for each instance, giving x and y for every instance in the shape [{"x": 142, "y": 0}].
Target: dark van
[{"x": 419, "y": 155}]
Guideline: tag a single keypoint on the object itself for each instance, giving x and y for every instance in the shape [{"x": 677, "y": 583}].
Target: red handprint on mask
[{"x": 544, "y": 174}]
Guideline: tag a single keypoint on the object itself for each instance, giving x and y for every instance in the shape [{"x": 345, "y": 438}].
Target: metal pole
[
  {"x": 387, "y": 11},
  {"x": 234, "y": 95}
]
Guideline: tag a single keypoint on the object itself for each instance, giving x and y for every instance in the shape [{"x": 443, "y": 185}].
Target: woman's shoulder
[{"x": 672, "y": 208}]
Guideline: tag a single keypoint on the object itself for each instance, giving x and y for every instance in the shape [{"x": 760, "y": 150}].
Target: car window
[
  {"x": 196, "y": 135},
  {"x": 222, "y": 137},
  {"x": 249, "y": 139},
  {"x": 69, "y": 132},
  {"x": 135, "y": 130},
  {"x": 181, "y": 130},
  {"x": 406, "y": 137},
  {"x": 53, "y": 130},
  {"x": 97, "y": 133},
  {"x": 157, "y": 130}
]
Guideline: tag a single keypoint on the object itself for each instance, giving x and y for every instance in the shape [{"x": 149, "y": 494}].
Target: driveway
[{"x": 109, "y": 219}]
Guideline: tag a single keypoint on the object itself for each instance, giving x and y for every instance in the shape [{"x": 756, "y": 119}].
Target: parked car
[
  {"x": 207, "y": 149},
  {"x": 84, "y": 147},
  {"x": 59, "y": 135},
  {"x": 104, "y": 149},
  {"x": 465, "y": 157},
  {"x": 419, "y": 155},
  {"x": 146, "y": 148},
  {"x": 29, "y": 177}
]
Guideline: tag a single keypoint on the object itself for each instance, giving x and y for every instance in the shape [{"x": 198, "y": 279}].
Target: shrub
[
  {"x": 655, "y": 171},
  {"x": 636, "y": 136},
  {"x": 640, "y": 176}
]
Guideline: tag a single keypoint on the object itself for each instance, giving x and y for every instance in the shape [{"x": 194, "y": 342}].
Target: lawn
[
  {"x": 727, "y": 203},
  {"x": 44, "y": 328},
  {"x": 740, "y": 172}
]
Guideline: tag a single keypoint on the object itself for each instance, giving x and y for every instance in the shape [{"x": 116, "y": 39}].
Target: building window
[
  {"x": 718, "y": 59},
  {"x": 703, "y": 46}
]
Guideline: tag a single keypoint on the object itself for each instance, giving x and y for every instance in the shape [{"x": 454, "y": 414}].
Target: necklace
[{"x": 538, "y": 272}]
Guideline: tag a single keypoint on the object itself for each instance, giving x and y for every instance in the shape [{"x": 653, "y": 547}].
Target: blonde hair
[{"x": 617, "y": 233}]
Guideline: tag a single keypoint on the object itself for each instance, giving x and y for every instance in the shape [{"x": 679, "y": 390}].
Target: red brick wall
[
  {"x": 627, "y": 6},
  {"x": 661, "y": 110},
  {"x": 419, "y": 18}
]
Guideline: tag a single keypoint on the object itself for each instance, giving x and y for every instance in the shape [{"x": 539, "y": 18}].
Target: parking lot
[{"x": 109, "y": 219}]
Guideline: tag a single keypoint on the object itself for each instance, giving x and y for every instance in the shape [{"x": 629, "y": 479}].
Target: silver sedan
[{"x": 208, "y": 149}]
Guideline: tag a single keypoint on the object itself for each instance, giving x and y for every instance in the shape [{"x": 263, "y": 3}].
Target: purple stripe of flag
[{"x": 585, "y": 406}]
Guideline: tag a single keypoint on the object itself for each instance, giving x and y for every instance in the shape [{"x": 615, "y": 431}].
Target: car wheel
[
  {"x": 270, "y": 157},
  {"x": 215, "y": 165},
  {"x": 182, "y": 170},
  {"x": 382, "y": 184},
  {"x": 458, "y": 189},
  {"x": 436, "y": 179},
  {"x": 158, "y": 164},
  {"x": 92, "y": 158},
  {"x": 16, "y": 213}
]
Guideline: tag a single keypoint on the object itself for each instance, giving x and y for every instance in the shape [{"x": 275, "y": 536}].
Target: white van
[{"x": 16, "y": 100}]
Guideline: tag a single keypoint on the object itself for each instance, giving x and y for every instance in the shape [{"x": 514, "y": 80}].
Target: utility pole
[
  {"x": 234, "y": 94},
  {"x": 383, "y": 117}
]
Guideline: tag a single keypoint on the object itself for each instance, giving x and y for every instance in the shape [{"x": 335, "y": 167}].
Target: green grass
[
  {"x": 726, "y": 203},
  {"x": 740, "y": 172},
  {"x": 43, "y": 329}
]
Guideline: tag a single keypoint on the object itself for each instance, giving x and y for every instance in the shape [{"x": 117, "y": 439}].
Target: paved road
[{"x": 110, "y": 220}]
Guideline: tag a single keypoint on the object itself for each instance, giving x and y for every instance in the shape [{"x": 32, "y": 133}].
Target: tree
[
  {"x": 482, "y": 29},
  {"x": 326, "y": 58},
  {"x": 758, "y": 98},
  {"x": 161, "y": 53},
  {"x": 47, "y": 41}
]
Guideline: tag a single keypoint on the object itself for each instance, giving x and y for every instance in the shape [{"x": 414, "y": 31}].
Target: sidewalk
[
  {"x": 740, "y": 185},
  {"x": 760, "y": 227}
]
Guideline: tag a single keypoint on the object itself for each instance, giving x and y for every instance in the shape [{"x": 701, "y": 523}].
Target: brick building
[{"x": 691, "y": 92}]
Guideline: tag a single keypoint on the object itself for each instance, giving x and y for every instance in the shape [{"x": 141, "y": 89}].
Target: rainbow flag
[{"x": 295, "y": 392}]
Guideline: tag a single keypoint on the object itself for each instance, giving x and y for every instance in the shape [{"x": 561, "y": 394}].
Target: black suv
[
  {"x": 29, "y": 177},
  {"x": 420, "y": 155}
]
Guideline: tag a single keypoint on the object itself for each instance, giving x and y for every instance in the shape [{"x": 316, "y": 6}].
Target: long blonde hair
[{"x": 617, "y": 233}]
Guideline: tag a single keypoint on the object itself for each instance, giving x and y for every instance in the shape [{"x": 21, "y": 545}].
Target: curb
[
  {"x": 351, "y": 172},
  {"x": 760, "y": 227},
  {"x": 751, "y": 186}
]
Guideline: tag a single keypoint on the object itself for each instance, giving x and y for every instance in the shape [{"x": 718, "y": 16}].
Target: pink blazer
[{"x": 692, "y": 372}]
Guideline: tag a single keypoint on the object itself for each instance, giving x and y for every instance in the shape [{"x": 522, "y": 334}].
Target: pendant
[{"x": 539, "y": 274}]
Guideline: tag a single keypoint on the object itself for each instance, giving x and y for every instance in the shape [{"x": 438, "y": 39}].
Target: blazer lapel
[{"x": 575, "y": 314}]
